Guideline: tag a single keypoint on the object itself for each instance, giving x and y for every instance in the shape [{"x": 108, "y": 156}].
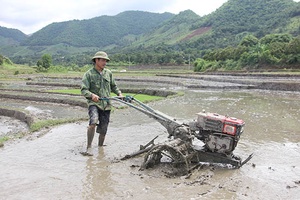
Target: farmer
[{"x": 98, "y": 82}]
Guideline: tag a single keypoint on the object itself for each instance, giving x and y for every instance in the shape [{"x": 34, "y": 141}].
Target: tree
[
  {"x": 249, "y": 41},
  {"x": 5, "y": 60},
  {"x": 284, "y": 38},
  {"x": 44, "y": 63},
  {"x": 1, "y": 59}
]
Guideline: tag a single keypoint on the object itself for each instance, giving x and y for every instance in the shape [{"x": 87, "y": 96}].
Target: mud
[
  {"x": 22, "y": 116},
  {"x": 282, "y": 82},
  {"x": 51, "y": 166},
  {"x": 11, "y": 126},
  {"x": 244, "y": 81}
]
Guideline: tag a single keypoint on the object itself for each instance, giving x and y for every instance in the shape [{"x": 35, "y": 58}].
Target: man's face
[{"x": 100, "y": 63}]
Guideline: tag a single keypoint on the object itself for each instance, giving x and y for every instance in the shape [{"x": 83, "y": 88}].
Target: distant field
[
  {"x": 15, "y": 70},
  {"x": 140, "y": 97}
]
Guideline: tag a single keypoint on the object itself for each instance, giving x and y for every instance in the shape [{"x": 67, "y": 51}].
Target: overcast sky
[{"x": 30, "y": 16}]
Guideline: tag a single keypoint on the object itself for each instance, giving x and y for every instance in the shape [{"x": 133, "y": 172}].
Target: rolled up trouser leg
[
  {"x": 103, "y": 126},
  {"x": 94, "y": 117}
]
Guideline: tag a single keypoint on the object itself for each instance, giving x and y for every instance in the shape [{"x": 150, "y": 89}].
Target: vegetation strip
[
  {"x": 39, "y": 124},
  {"x": 42, "y": 99}
]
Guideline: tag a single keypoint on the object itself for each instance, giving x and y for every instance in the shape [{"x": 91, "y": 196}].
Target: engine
[{"x": 218, "y": 132}]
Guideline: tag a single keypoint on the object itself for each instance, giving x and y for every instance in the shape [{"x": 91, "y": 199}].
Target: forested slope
[
  {"x": 100, "y": 31},
  {"x": 152, "y": 38}
]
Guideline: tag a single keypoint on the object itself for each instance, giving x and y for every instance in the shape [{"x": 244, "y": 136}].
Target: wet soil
[{"x": 49, "y": 164}]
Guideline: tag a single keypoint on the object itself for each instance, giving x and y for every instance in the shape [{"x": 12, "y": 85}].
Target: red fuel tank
[{"x": 220, "y": 123}]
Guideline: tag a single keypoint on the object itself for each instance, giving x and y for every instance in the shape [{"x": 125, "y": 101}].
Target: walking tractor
[{"x": 219, "y": 135}]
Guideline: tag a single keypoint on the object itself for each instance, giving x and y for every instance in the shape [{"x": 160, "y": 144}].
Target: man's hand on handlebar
[{"x": 95, "y": 98}]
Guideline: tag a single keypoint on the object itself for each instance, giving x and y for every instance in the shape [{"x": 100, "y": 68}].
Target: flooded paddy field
[{"x": 52, "y": 167}]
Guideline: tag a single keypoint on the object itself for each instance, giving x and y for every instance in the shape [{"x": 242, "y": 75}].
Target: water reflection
[
  {"x": 271, "y": 132},
  {"x": 98, "y": 183},
  {"x": 269, "y": 116}
]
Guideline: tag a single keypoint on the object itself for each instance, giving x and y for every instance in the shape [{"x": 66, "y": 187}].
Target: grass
[
  {"x": 36, "y": 126},
  {"x": 140, "y": 97},
  {"x": 66, "y": 91},
  {"x": 152, "y": 71},
  {"x": 14, "y": 69},
  {"x": 2, "y": 140}
]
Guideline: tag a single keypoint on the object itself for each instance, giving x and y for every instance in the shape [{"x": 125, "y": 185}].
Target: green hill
[
  {"x": 229, "y": 24},
  {"x": 9, "y": 36},
  {"x": 170, "y": 32},
  {"x": 144, "y": 34},
  {"x": 100, "y": 32},
  {"x": 235, "y": 19}
]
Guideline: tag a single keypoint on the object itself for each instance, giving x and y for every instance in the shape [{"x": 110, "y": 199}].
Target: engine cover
[
  {"x": 220, "y": 123},
  {"x": 219, "y": 144}
]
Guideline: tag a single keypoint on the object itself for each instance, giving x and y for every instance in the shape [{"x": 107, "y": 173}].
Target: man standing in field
[{"x": 98, "y": 82}]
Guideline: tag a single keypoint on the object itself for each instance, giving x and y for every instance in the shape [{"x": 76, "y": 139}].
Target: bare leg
[
  {"x": 90, "y": 137},
  {"x": 101, "y": 139}
]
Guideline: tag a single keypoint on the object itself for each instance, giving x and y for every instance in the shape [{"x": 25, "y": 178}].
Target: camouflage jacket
[{"x": 99, "y": 84}]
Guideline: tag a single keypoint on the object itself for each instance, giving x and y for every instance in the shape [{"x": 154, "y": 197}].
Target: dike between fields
[{"x": 246, "y": 81}]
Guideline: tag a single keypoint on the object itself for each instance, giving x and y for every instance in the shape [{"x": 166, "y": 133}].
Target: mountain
[
  {"x": 144, "y": 32},
  {"x": 9, "y": 36},
  {"x": 171, "y": 31},
  {"x": 100, "y": 31},
  {"x": 235, "y": 19},
  {"x": 230, "y": 23}
]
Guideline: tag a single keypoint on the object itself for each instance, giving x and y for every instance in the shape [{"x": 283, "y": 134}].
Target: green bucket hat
[{"x": 101, "y": 54}]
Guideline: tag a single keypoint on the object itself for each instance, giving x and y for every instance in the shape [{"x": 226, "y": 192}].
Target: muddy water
[
  {"x": 11, "y": 125},
  {"x": 51, "y": 167}
]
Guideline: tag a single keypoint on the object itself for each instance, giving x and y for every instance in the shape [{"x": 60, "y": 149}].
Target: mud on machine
[{"x": 218, "y": 133}]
